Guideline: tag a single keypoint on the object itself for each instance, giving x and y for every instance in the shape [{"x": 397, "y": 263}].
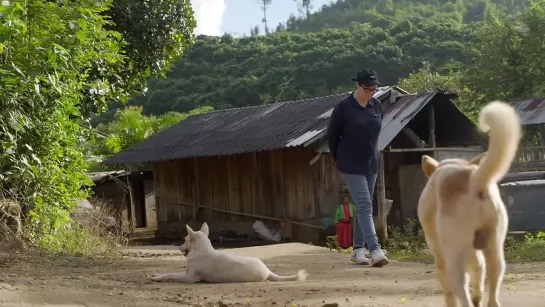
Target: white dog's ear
[
  {"x": 190, "y": 231},
  {"x": 429, "y": 165},
  {"x": 204, "y": 228}
]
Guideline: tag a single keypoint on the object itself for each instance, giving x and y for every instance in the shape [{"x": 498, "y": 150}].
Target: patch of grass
[
  {"x": 93, "y": 233},
  {"x": 407, "y": 243},
  {"x": 530, "y": 249},
  {"x": 332, "y": 244},
  {"x": 80, "y": 241}
]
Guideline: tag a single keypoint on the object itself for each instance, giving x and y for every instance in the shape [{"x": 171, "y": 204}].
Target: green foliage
[
  {"x": 80, "y": 241},
  {"x": 508, "y": 61},
  {"x": 407, "y": 240},
  {"x": 225, "y": 72},
  {"x": 509, "y": 56},
  {"x": 128, "y": 127},
  {"x": 530, "y": 249},
  {"x": 344, "y": 12},
  {"x": 46, "y": 48},
  {"x": 332, "y": 244},
  {"x": 157, "y": 33},
  {"x": 150, "y": 34},
  {"x": 429, "y": 79},
  {"x": 315, "y": 54},
  {"x": 59, "y": 61},
  {"x": 408, "y": 243}
]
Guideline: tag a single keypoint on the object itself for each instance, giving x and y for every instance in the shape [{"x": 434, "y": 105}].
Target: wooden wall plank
[{"x": 273, "y": 183}]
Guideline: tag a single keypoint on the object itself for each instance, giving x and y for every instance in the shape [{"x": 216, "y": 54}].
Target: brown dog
[{"x": 462, "y": 213}]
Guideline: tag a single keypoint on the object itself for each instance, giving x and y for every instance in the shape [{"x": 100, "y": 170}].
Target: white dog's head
[{"x": 195, "y": 239}]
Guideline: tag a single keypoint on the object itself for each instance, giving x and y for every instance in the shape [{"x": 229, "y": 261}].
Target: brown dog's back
[{"x": 462, "y": 214}]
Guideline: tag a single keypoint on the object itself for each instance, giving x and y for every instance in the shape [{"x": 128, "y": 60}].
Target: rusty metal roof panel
[{"x": 531, "y": 110}]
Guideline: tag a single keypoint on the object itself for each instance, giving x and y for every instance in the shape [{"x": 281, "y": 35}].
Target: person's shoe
[
  {"x": 359, "y": 257},
  {"x": 368, "y": 254},
  {"x": 378, "y": 258}
]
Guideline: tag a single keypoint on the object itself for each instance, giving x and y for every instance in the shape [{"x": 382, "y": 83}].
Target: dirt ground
[{"x": 333, "y": 281}]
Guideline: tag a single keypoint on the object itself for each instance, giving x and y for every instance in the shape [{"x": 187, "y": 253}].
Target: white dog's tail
[
  {"x": 502, "y": 121},
  {"x": 300, "y": 276}
]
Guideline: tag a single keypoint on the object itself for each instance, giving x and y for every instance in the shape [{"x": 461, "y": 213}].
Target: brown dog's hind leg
[
  {"x": 450, "y": 299},
  {"x": 455, "y": 268},
  {"x": 476, "y": 275},
  {"x": 495, "y": 269}
]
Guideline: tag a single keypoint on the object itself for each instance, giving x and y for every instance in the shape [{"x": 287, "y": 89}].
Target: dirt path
[{"x": 41, "y": 281}]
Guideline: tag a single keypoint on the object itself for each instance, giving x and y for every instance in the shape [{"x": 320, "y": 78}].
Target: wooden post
[
  {"x": 432, "y": 142},
  {"x": 413, "y": 136},
  {"x": 157, "y": 191},
  {"x": 286, "y": 228},
  {"x": 195, "y": 193},
  {"x": 381, "y": 228},
  {"x": 256, "y": 187},
  {"x": 130, "y": 208}
]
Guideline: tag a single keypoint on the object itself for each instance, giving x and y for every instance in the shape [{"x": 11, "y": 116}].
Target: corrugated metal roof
[
  {"x": 400, "y": 114},
  {"x": 294, "y": 123},
  {"x": 236, "y": 131},
  {"x": 101, "y": 176},
  {"x": 452, "y": 126},
  {"x": 531, "y": 110},
  {"x": 98, "y": 176}
]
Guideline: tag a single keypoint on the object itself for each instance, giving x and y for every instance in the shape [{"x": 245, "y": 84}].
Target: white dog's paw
[{"x": 157, "y": 277}]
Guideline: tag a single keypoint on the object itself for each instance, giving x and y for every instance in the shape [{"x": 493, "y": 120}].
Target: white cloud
[{"x": 209, "y": 16}]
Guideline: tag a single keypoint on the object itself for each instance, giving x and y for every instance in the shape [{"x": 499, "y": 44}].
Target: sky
[{"x": 236, "y": 17}]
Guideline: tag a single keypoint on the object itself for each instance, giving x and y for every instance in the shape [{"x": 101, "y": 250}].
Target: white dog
[
  {"x": 463, "y": 216},
  {"x": 208, "y": 265}
]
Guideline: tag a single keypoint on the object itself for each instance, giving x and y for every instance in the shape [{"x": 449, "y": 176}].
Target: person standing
[
  {"x": 353, "y": 133},
  {"x": 344, "y": 217}
]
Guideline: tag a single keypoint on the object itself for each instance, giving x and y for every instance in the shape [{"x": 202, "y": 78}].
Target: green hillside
[
  {"x": 343, "y": 12},
  {"x": 318, "y": 54}
]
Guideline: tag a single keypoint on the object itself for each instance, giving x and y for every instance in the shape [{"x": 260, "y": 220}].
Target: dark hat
[{"x": 367, "y": 77}]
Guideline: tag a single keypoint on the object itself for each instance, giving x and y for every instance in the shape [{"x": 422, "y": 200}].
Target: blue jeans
[{"x": 361, "y": 189}]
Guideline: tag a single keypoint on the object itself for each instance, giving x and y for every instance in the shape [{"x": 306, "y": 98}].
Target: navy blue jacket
[{"x": 353, "y": 133}]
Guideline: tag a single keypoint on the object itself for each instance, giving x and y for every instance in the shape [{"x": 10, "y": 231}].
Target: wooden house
[{"x": 129, "y": 195}]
